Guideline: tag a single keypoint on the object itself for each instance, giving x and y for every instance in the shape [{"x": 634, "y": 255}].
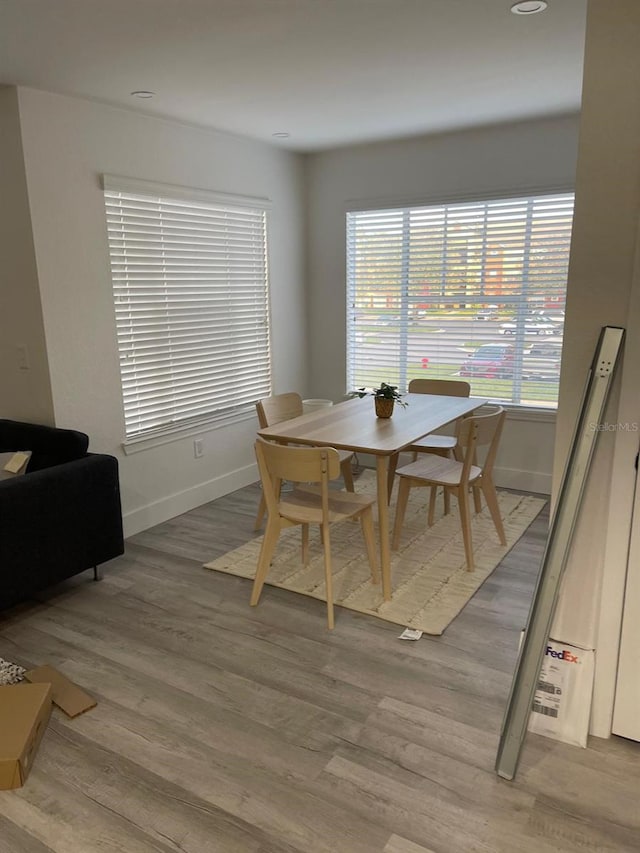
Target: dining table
[{"x": 353, "y": 425}]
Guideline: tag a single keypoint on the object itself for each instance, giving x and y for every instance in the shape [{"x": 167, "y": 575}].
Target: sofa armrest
[
  {"x": 57, "y": 522},
  {"x": 48, "y": 445}
]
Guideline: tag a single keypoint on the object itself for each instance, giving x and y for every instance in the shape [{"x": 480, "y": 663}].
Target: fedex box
[{"x": 562, "y": 703}]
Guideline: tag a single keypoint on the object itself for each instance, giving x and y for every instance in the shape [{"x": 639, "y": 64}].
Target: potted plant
[{"x": 384, "y": 398}]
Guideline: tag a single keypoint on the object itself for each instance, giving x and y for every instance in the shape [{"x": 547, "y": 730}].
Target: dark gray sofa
[{"x": 61, "y": 517}]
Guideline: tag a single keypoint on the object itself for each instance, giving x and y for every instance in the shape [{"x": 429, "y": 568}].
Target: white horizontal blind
[
  {"x": 474, "y": 290},
  {"x": 191, "y": 303}
]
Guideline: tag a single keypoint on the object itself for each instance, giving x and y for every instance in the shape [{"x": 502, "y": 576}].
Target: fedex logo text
[{"x": 563, "y": 655}]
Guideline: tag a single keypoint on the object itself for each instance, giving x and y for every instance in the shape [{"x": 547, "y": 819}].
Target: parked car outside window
[
  {"x": 488, "y": 313},
  {"x": 490, "y": 361},
  {"x": 531, "y": 327},
  {"x": 542, "y": 361}
]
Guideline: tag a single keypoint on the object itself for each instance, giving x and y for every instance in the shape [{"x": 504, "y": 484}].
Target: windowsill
[
  {"x": 136, "y": 445},
  {"x": 531, "y": 414}
]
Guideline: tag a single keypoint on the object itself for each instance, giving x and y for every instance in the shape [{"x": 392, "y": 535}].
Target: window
[
  {"x": 470, "y": 289},
  {"x": 189, "y": 272}
]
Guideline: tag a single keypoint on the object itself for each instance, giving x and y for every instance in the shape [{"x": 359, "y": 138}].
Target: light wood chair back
[
  {"x": 297, "y": 464},
  {"x": 307, "y": 505},
  {"x": 480, "y": 431},
  {"x": 445, "y": 387},
  {"x": 458, "y": 476},
  {"x": 475, "y": 433},
  {"x": 280, "y": 407}
]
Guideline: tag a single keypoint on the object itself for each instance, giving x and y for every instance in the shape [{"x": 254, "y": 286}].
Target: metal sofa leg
[{"x": 97, "y": 575}]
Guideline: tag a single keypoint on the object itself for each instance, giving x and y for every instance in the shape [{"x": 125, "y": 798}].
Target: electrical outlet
[{"x": 198, "y": 448}]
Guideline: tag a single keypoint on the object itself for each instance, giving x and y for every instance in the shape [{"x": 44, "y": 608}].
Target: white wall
[
  {"x": 505, "y": 158},
  {"x": 68, "y": 144},
  {"x": 601, "y": 292},
  {"x": 25, "y": 394}
]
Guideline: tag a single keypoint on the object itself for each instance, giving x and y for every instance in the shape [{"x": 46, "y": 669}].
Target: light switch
[{"x": 23, "y": 357}]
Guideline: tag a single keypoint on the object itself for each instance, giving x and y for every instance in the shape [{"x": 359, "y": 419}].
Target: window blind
[
  {"x": 474, "y": 290},
  {"x": 190, "y": 289}
]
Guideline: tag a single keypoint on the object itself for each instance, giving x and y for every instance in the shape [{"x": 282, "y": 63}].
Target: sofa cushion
[{"x": 49, "y": 445}]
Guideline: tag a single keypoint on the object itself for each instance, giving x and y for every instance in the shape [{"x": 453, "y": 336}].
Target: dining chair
[
  {"x": 457, "y": 476},
  {"x": 434, "y": 443},
  {"x": 283, "y": 407},
  {"x": 444, "y": 445},
  {"x": 307, "y": 504}
]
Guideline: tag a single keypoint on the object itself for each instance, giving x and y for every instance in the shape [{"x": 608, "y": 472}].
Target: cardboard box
[
  {"x": 66, "y": 695},
  {"x": 562, "y": 704},
  {"x": 24, "y": 714}
]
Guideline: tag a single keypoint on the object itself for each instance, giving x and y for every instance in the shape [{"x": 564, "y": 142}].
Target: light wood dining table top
[{"x": 353, "y": 425}]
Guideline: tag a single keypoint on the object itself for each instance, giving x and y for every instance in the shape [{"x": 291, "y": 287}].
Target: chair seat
[
  {"x": 301, "y": 505},
  {"x": 435, "y": 442},
  {"x": 438, "y": 470}
]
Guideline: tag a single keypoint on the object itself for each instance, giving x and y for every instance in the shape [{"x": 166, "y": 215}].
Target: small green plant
[{"x": 383, "y": 391}]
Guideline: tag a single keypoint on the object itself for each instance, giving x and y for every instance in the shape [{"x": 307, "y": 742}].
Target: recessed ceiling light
[
  {"x": 142, "y": 93},
  {"x": 281, "y": 134},
  {"x": 529, "y": 7}
]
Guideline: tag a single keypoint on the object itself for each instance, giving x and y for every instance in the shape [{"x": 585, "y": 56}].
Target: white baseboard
[
  {"x": 526, "y": 481},
  {"x": 173, "y": 505}
]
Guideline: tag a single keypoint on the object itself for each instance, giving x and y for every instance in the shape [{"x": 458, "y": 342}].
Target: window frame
[
  {"x": 518, "y": 411},
  {"x": 171, "y": 431}
]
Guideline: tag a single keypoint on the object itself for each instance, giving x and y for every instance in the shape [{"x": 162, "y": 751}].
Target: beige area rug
[{"x": 429, "y": 580}]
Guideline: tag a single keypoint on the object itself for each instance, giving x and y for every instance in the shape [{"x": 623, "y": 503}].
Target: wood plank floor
[{"x": 231, "y": 729}]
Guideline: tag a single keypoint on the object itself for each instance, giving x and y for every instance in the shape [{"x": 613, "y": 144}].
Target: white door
[{"x": 626, "y": 710}]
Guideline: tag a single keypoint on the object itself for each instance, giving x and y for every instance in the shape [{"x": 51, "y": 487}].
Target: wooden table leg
[
  {"x": 383, "y": 525},
  {"x": 391, "y": 473}
]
